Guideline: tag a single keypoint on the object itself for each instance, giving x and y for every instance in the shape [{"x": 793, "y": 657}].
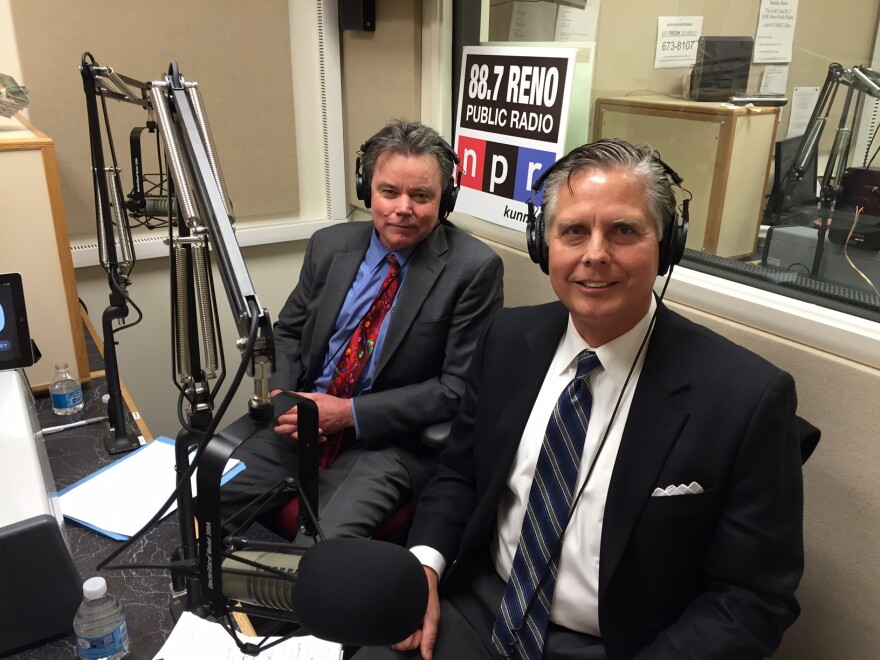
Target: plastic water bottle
[
  {"x": 65, "y": 390},
  {"x": 100, "y": 625}
]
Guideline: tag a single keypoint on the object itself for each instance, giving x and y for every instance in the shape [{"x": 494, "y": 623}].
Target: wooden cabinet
[
  {"x": 35, "y": 243},
  {"x": 721, "y": 151}
]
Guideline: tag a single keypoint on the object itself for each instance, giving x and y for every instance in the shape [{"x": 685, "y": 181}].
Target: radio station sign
[{"x": 512, "y": 117}]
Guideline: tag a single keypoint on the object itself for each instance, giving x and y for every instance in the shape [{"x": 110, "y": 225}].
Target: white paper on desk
[
  {"x": 193, "y": 637},
  {"x": 120, "y": 498}
]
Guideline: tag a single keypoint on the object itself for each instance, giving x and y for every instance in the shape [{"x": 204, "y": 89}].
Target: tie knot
[
  {"x": 587, "y": 361},
  {"x": 393, "y": 264}
]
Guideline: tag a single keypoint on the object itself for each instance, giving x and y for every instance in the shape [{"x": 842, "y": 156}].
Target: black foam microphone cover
[{"x": 360, "y": 592}]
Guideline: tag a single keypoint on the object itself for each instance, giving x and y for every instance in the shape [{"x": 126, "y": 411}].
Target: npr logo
[{"x": 501, "y": 169}]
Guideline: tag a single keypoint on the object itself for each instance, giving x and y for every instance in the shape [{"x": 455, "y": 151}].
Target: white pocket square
[{"x": 693, "y": 489}]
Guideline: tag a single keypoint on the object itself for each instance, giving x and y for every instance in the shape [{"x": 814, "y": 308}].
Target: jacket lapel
[
  {"x": 527, "y": 363},
  {"x": 341, "y": 273},
  {"x": 428, "y": 261},
  {"x": 528, "y": 368},
  {"x": 658, "y": 413}
]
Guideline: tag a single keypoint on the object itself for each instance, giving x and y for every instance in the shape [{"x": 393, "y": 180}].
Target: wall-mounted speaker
[{"x": 357, "y": 15}]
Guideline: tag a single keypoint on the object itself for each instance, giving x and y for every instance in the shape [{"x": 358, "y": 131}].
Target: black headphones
[
  {"x": 671, "y": 245},
  {"x": 447, "y": 197}
]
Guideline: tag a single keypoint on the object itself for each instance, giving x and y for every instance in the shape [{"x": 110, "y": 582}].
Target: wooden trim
[
  {"x": 719, "y": 185},
  {"x": 676, "y": 106},
  {"x": 244, "y": 624},
  {"x": 62, "y": 244}
]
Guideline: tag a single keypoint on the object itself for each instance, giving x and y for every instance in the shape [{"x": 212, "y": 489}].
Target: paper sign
[
  {"x": 513, "y": 108},
  {"x": 677, "y": 38},
  {"x": 775, "y": 79},
  {"x": 532, "y": 21},
  {"x": 775, "y": 31},
  {"x": 576, "y": 24},
  {"x": 802, "y": 103}
]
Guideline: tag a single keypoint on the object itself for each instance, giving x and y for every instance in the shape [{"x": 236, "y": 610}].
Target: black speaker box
[
  {"x": 39, "y": 583},
  {"x": 722, "y": 68}
]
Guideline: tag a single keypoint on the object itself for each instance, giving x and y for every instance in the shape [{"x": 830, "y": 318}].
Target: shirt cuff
[
  {"x": 357, "y": 429},
  {"x": 430, "y": 558}
]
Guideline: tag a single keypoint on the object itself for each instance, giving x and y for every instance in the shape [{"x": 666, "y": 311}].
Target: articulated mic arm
[
  {"x": 859, "y": 82},
  {"x": 200, "y": 223}
]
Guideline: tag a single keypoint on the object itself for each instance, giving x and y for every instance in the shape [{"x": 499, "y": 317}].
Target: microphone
[
  {"x": 154, "y": 206},
  {"x": 260, "y": 587},
  {"x": 351, "y": 591},
  {"x": 360, "y": 592}
]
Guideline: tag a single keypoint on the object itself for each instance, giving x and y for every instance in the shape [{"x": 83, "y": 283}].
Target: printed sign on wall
[{"x": 512, "y": 117}]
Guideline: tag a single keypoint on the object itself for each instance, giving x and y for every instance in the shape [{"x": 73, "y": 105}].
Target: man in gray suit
[{"x": 442, "y": 288}]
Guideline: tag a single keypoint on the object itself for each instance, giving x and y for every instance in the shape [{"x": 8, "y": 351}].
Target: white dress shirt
[{"x": 576, "y": 596}]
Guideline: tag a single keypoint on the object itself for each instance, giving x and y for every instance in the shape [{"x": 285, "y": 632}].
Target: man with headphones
[
  {"x": 658, "y": 513},
  {"x": 425, "y": 289}
]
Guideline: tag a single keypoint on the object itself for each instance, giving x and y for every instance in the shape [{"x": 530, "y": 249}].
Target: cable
[
  {"x": 554, "y": 556},
  {"x": 379, "y": 293},
  {"x": 247, "y": 354},
  {"x": 852, "y": 229}
]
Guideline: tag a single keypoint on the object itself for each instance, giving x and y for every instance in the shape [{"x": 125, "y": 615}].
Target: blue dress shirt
[{"x": 364, "y": 288}]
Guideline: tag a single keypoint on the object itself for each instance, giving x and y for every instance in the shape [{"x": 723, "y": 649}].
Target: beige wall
[
  {"x": 239, "y": 56},
  {"x": 381, "y": 76}
]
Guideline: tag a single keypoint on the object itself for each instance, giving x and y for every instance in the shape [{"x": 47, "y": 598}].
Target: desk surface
[{"x": 73, "y": 454}]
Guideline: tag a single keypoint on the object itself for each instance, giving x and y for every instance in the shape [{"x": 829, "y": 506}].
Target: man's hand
[
  {"x": 425, "y": 637},
  {"x": 334, "y": 415}
]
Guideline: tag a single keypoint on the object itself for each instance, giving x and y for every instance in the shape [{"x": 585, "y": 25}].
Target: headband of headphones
[
  {"x": 672, "y": 243},
  {"x": 447, "y": 197}
]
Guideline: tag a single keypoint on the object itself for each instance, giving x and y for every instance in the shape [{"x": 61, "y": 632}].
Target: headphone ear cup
[
  {"x": 673, "y": 244},
  {"x": 681, "y": 235},
  {"x": 360, "y": 184},
  {"x": 451, "y": 195},
  {"x": 666, "y": 245},
  {"x": 447, "y": 199},
  {"x": 537, "y": 246}
]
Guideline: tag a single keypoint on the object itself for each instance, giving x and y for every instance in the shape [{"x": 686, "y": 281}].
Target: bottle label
[
  {"x": 67, "y": 399},
  {"x": 94, "y": 648}
]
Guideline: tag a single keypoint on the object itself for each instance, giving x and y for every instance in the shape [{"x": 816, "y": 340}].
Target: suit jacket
[
  {"x": 694, "y": 576},
  {"x": 452, "y": 286}
]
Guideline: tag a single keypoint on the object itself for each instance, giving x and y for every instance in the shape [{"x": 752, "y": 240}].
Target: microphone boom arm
[
  {"x": 860, "y": 81},
  {"x": 200, "y": 222}
]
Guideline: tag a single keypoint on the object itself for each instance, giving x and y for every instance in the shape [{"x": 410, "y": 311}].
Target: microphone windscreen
[{"x": 360, "y": 592}]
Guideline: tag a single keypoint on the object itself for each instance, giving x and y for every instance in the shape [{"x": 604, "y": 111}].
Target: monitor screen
[
  {"x": 797, "y": 193},
  {"x": 15, "y": 338},
  {"x": 722, "y": 68}
]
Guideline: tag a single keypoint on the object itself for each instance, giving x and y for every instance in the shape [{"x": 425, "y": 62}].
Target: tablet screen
[{"x": 15, "y": 338}]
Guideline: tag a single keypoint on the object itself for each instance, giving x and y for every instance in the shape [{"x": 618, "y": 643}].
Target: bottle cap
[
  {"x": 94, "y": 588},
  {"x": 61, "y": 366}
]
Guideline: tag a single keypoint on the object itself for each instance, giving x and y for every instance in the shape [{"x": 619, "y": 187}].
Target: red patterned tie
[{"x": 358, "y": 351}]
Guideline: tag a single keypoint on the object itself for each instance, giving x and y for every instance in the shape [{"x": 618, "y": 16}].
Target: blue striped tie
[{"x": 521, "y": 623}]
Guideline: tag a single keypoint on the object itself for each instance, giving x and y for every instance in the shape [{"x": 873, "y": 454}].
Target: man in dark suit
[
  {"x": 433, "y": 301},
  {"x": 682, "y": 536}
]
